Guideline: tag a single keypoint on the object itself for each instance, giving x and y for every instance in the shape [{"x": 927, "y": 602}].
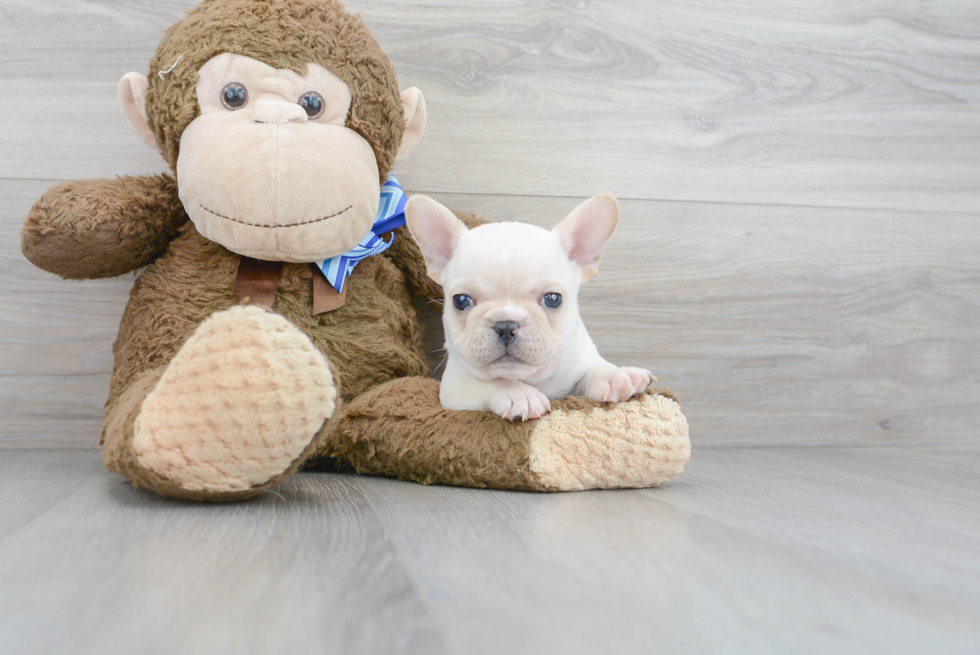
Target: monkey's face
[{"x": 269, "y": 170}]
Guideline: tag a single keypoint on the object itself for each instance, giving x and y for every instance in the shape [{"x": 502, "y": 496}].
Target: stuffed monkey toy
[{"x": 251, "y": 345}]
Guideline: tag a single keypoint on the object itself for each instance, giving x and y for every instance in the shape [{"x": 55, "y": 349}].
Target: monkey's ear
[
  {"x": 413, "y": 105},
  {"x": 586, "y": 229},
  {"x": 132, "y": 96},
  {"x": 437, "y": 231}
]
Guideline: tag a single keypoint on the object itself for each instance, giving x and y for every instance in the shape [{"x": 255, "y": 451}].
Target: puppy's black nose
[{"x": 506, "y": 331}]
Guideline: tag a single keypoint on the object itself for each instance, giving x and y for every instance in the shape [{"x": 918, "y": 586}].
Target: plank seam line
[{"x": 900, "y": 210}]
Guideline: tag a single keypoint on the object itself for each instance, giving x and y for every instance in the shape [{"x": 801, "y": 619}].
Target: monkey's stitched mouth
[{"x": 271, "y": 227}]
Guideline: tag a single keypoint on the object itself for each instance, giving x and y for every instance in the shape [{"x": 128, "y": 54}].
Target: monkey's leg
[
  {"x": 398, "y": 429},
  {"x": 238, "y": 408}
]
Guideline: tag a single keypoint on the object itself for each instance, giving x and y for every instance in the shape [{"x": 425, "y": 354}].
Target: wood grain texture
[
  {"x": 771, "y": 327},
  {"x": 776, "y": 324},
  {"x": 842, "y": 103},
  {"x": 94, "y": 566},
  {"x": 782, "y": 325},
  {"x": 743, "y": 132},
  {"x": 749, "y": 551},
  {"x": 811, "y": 554},
  {"x": 55, "y": 340}
]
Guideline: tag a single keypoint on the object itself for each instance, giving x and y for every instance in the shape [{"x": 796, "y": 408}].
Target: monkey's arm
[
  {"x": 407, "y": 255},
  {"x": 101, "y": 228}
]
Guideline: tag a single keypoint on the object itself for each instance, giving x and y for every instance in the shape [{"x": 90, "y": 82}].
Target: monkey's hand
[{"x": 102, "y": 228}]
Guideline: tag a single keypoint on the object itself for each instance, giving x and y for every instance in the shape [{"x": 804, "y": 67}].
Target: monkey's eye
[
  {"x": 313, "y": 104},
  {"x": 234, "y": 96},
  {"x": 551, "y": 300},
  {"x": 462, "y": 302}
]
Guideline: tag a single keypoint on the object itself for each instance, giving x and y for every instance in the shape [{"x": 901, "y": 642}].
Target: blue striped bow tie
[{"x": 391, "y": 214}]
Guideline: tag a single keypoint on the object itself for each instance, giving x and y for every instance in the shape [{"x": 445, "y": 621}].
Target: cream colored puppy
[{"x": 513, "y": 332}]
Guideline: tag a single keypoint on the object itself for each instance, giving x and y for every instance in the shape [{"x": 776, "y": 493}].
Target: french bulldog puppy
[{"x": 514, "y": 336}]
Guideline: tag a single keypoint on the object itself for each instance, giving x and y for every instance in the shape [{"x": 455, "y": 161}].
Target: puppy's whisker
[{"x": 441, "y": 364}]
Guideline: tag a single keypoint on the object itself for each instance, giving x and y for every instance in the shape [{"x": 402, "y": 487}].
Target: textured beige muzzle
[{"x": 280, "y": 189}]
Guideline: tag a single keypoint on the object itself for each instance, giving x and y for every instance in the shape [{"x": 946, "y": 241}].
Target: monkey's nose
[
  {"x": 278, "y": 112},
  {"x": 506, "y": 331}
]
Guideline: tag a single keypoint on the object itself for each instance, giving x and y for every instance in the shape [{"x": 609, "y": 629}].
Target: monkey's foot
[
  {"x": 399, "y": 429},
  {"x": 581, "y": 445},
  {"x": 237, "y": 408}
]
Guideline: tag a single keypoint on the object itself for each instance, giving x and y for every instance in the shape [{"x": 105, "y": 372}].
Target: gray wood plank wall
[{"x": 799, "y": 255}]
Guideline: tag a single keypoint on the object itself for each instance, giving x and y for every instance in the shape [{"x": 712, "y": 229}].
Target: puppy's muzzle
[{"x": 506, "y": 331}]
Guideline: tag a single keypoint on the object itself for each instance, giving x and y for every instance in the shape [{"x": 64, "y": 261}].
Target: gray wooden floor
[
  {"x": 798, "y": 258},
  {"x": 761, "y": 550}
]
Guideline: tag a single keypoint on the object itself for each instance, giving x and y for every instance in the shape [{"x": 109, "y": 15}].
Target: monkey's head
[{"x": 281, "y": 119}]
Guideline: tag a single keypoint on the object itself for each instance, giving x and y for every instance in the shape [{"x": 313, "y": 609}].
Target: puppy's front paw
[
  {"x": 524, "y": 402},
  {"x": 618, "y": 384}
]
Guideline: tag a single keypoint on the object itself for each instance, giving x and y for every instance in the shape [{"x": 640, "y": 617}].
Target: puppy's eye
[
  {"x": 551, "y": 300},
  {"x": 234, "y": 96},
  {"x": 313, "y": 104},
  {"x": 462, "y": 302}
]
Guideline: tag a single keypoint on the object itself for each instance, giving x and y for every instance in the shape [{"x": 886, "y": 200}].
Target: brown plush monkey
[{"x": 281, "y": 120}]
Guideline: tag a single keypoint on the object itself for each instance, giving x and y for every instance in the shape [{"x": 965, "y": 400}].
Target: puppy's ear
[
  {"x": 437, "y": 231},
  {"x": 585, "y": 231}
]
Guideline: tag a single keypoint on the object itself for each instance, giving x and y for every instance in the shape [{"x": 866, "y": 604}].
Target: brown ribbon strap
[
  {"x": 325, "y": 297},
  {"x": 257, "y": 281}
]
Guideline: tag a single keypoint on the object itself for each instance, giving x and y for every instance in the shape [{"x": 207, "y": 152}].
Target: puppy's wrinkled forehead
[{"x": 516, "y": 256}]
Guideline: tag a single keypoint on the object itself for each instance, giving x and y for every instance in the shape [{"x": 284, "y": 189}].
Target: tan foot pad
[
  {"x": 640, "y": 443},
  {"x": 237, "y": 405}
]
